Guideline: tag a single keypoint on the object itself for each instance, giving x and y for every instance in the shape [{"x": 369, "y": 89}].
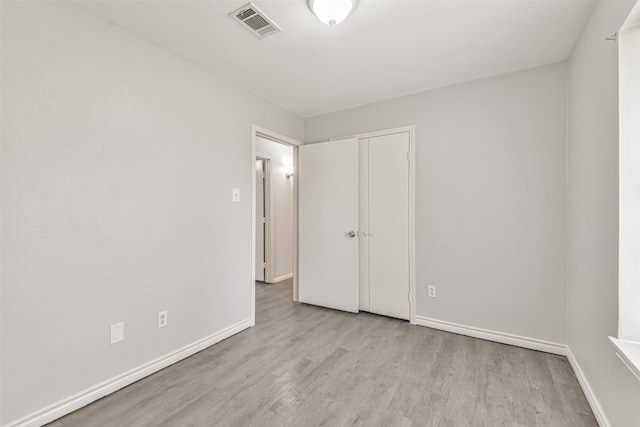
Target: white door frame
[
  {"x": 282, "y": 139},
  {"x": 412, "y": 194}
]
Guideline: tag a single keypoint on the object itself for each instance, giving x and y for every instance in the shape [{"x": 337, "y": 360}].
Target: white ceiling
[{"x": 385, "y": 48}]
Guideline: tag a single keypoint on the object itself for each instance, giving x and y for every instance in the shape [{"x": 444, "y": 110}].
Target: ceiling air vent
[{"x": 252, "y": 18}]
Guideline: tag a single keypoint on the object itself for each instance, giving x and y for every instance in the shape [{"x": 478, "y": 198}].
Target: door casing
[{"x": 257, "y": 131}]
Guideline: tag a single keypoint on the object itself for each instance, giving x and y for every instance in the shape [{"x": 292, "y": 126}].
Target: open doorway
[
  {"x": 274, "y": 211},
  {"x": 274, "y": 160}
]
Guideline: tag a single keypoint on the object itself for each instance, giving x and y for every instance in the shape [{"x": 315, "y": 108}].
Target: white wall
[
  {"x": 490, "y": 197},
  {"x": 282, "y": 206},
  {"x": 118, "y": 160},
  {"x": 592, "y": 243}
]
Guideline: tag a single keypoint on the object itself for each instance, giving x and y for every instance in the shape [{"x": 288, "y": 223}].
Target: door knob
[{"x": 352, "y": 233}]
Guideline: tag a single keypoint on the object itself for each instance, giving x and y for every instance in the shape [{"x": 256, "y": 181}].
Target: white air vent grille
[{"x": 255, "y": 21}]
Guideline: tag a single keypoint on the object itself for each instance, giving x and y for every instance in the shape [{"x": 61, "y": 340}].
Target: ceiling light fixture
[{"x": 331, "y": 12}]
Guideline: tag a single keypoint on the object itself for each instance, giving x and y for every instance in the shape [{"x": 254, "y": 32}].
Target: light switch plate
[{"x": 235, "y": 198}]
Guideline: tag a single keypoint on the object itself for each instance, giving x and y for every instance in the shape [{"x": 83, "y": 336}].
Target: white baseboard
[
  {"x": 77, "y": 401},
  {"x": 501, "y": 337},
  {"x": 525, "y": 342},
  {"x": 588, "y": 392},
  {"x": 281, "y": 278}
]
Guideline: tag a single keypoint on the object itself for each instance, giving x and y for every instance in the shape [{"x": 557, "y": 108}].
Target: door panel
[
  {"x": 363, "y": 224},
  {"x": 260, "y": 220},
  {"x": 328, "y": 211},
  {"x": 389, "y": 225}
]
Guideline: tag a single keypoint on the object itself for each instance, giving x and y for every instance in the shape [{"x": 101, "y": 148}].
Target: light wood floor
[{"x": 308, "y": 366}]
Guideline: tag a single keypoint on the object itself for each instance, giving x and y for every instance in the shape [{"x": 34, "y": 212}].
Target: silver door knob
[{"x": 352, "y": 233}]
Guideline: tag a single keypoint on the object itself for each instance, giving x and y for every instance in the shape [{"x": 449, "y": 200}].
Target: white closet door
[
  {"x": 389, "y": 225},
  {"x": 327, "y": 214}
]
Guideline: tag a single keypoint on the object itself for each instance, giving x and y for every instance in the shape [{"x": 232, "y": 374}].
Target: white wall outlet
[
  {"x": 117, "y": 332},
  {"x": 432, "y": 291},
  {"x": 235, "y": 195},
  {"x": 163, "y": 319}
]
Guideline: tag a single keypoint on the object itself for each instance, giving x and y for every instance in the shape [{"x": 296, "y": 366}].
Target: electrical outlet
[
  {"x": 163, "y": 319},
  {"x": 432, "y": 291},
  {"x": 117, "y": 332}
]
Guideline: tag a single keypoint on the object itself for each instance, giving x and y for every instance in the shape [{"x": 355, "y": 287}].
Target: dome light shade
[{"x": 331, "y": 12}]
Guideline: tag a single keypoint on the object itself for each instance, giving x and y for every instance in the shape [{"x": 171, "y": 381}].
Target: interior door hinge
[
  {"x": 264, "y": 220},
  {"x": 409, "y": 296},
  {"x": 408, "y": 156}
]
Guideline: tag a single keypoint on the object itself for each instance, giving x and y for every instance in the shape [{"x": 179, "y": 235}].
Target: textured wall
[
  {"x": 490, "y": 197},
  {"x": 118, "y": 160}
]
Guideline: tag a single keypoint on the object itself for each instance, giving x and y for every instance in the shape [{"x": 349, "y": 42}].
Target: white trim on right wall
[
  {"x": 489, "y": 335},
  {"x": 528, "y": 343},
  {"x": 597, "y": 410}
]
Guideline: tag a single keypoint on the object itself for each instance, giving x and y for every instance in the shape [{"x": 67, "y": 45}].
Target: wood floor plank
[{"x": 303, "y": 365}]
